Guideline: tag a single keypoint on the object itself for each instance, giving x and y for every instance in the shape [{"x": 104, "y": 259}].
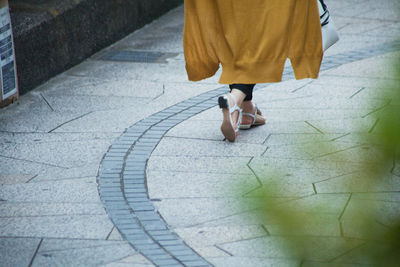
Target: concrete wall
[{"x": 53, "y": 35}]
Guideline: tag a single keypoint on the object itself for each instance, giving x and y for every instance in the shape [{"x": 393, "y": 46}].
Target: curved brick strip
[{"x": 122, "y": 173}]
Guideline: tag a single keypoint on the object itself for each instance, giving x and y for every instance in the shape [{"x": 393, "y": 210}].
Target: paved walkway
[{"x": 122, "y": 164}]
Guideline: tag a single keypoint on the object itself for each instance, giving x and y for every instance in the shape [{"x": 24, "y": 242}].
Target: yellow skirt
[{"x": 251, "y": 39}]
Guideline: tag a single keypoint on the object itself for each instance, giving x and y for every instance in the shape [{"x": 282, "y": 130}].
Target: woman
[{"x": 251, "y": 39}]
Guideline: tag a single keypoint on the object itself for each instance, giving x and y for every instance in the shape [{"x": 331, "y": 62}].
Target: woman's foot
[
  {"x": 251, "y": 115},
  {"x": 231, "y": 116}
]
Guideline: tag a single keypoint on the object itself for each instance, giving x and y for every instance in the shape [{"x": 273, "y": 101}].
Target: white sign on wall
[{"x": 8, "y": 73}]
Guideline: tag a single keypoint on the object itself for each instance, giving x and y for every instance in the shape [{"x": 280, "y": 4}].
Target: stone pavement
[{"x": 121, "y": 163}]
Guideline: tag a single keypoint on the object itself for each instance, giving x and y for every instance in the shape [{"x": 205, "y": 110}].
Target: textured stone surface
[
  {"x": 17, "y": 251},
  {"x": 70, "y": 252},
  {"x": 194, "y": 200}
]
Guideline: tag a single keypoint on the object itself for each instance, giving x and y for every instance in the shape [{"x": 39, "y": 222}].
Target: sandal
[
  {"x": 227, "y": 127},
  {"x": 254, "y": 117}
]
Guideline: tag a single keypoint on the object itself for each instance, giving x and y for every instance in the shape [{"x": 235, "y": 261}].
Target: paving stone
[
  {"x": 156, "y": 251},
  {"x": 193, "y": 184},
  {"x": 14, "y": 179},
  {"x": 210, "y": 252},
  {"x": 165, "y": 262},
  {"x": 141, "y": 247},
  {"x": 70, "y": 254},
  {"x": 362, "y": 255},
  {"x": 17, "y": 251},
  {"x": 198, "y": 263},
  {"x": 115, "y": 235},
  {"x": 136, "y": 260},
  {"x": 201, "y": 164},
  {"x": 191, "y": 212},
  {"x": 79, "y": 191},
  {"x": 15, "y": 209},
  {"x": 356, "y": 182},
  {"x": 274, "y": 247},
  {"x": 251, "y": 261},
  {"x": 210, "y": 236},
  {"x": 73, "y": 226},
  {"x": 205, "y": 148},
  {"x": 311, "y": 225}
]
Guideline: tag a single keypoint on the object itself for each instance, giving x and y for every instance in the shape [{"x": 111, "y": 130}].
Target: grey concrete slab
[
  {"x": 333, "y": 204},
  {"x": 327, "y": 264},
  {"x": 249, "y": 218},
  {"x": 15, "y": 166},
  {"x": 169, "y": 147},
  {"x": 68, "y": 154},
  {"x": 105, "y": 121},
  {"x": 314, "y": 102},
  {"x": 53, "y": 174},
  {"x": 355, "y": 82},
  {"x": 71, "y": 226},
  {"x": 200, "y": 237},
  {"x": 89, "y": 103},
  {"x": 210, "y": 252},
  {"x": 269, "y": 162},
  {"x": 286, "y": 115},
  {"x": 48, "y": 138},
  {"x": 354, "y": 42},
  {"x": 376, "y": 67},
  {"x": 193, "y": 184},
  {"x": 73, "y": 253},
  {"x": 384, "y": 196},
  {"x": 8, "y": 179},
  {"x": 210, "y": 130},
  {"x": 34, "y": 115},
  {"x": 361, "y": 26},
  {"x": 329, "y": 151},
  {"x": 76, "y": 190},
  {"x": 27, "y": 209},
  {"x": 344, "y": 92},
  {"x": 387, "y": 211},
  {"x": 361, "y": 229},
  {"x": 131, "y": 89},
  {"x": 235, "y": 165},
  {"x": 115, "y": 235},
  {"x": 317, "y": 225},
  {"x": 356, "y": 182},
  {"x": 49, "y": 245},
  {"x": 188, "y": 212},
  {"x": 136, "y": 260},
  {"x": 299, "y": 139},
  {"x": 175, "y": 92},
  {"x": 17, "y": 251},
  {"x": 161, "y": 36},
  {"x": 275, "y": 247},
  {"x": 359, "y": 256},
  {"x": 138, "y": 71},
  {"x": 252, "y": 261}
]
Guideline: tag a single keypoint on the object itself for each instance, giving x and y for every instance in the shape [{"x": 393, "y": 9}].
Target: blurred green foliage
[{"x": 375, "y": 246}]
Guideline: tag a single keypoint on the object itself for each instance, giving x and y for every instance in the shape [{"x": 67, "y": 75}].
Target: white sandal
[
  {"x": 253, "y": 116},
  {"x": 227, "y": 127}
]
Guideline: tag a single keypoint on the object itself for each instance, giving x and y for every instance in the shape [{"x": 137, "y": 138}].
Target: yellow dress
[{"x": 252, "y": 39}]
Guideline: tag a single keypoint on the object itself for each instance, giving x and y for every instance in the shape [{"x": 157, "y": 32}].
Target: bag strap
[
  {"x": 326, "y": 13},
  {"x": 323, "y": 4}
]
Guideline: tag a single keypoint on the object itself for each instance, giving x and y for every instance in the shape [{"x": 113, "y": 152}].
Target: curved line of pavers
[{"x": 122, "y": 173}]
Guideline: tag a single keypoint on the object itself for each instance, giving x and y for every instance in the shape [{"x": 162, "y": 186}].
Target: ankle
[
  {"x": 247, "y": 106},
  {"x": 239, "y": 96}
]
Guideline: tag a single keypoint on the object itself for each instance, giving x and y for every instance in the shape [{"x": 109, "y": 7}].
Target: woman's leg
[
  {"x": 244, "y": 95},
  {"x": 246, "y": 89}
]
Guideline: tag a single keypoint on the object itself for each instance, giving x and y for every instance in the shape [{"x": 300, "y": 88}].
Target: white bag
[{"x": 330, "y": 35}]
